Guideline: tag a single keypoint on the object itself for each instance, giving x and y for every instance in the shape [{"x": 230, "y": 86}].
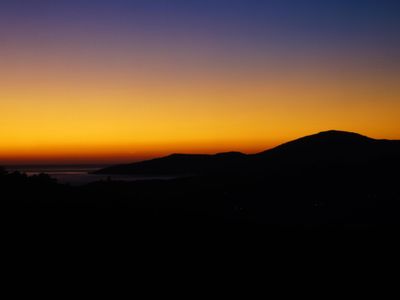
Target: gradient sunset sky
[{"x": 119, "y": 80}]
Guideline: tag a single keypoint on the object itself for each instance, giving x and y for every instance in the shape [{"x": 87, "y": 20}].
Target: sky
[{"x": 123, "y": 80}]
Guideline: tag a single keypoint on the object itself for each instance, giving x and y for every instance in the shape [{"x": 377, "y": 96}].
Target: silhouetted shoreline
[{"x": 332, "y": 179}]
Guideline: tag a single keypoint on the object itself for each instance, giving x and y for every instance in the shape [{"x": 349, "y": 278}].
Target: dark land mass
[
  {"x": 329, "y": 179},
  {"x": 330, "y": 148}
]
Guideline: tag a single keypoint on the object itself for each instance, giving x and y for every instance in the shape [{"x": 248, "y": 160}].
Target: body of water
[{"x": 77, "y": 175}]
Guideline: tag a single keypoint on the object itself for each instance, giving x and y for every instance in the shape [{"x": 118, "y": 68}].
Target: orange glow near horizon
[{"x": 72, "y": 110}]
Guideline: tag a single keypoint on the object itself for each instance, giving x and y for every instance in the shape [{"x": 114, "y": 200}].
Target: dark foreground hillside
[
  {"x": 331, "y": 196},
  {"x": 356, "y": 193}
]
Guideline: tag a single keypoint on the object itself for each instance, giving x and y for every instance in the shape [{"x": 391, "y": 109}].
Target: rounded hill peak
[
  {"x": 339, "y": 133},
  {"x": 331, "y": 141}
]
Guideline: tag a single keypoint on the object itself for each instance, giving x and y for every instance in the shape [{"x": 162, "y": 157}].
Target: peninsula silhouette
[
  {"x": 328, "y": 147},
  {"x": 330, "y": 179}
]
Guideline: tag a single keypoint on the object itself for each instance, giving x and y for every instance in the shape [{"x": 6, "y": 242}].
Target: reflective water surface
[{"x": 77, "y": 175}]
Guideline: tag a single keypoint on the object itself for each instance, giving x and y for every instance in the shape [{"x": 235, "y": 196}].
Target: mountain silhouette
[
  {"x": 325, "y": 148},
  {"x": 330, "y": 147},
  {"x": 327, "y": 180},
  {"x": 179, "y": 164}
]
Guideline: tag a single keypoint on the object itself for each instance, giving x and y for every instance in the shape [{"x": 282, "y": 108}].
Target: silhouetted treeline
[
  {"x": 2, "y": 170},
  {"x": 343, "y": 196}
]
